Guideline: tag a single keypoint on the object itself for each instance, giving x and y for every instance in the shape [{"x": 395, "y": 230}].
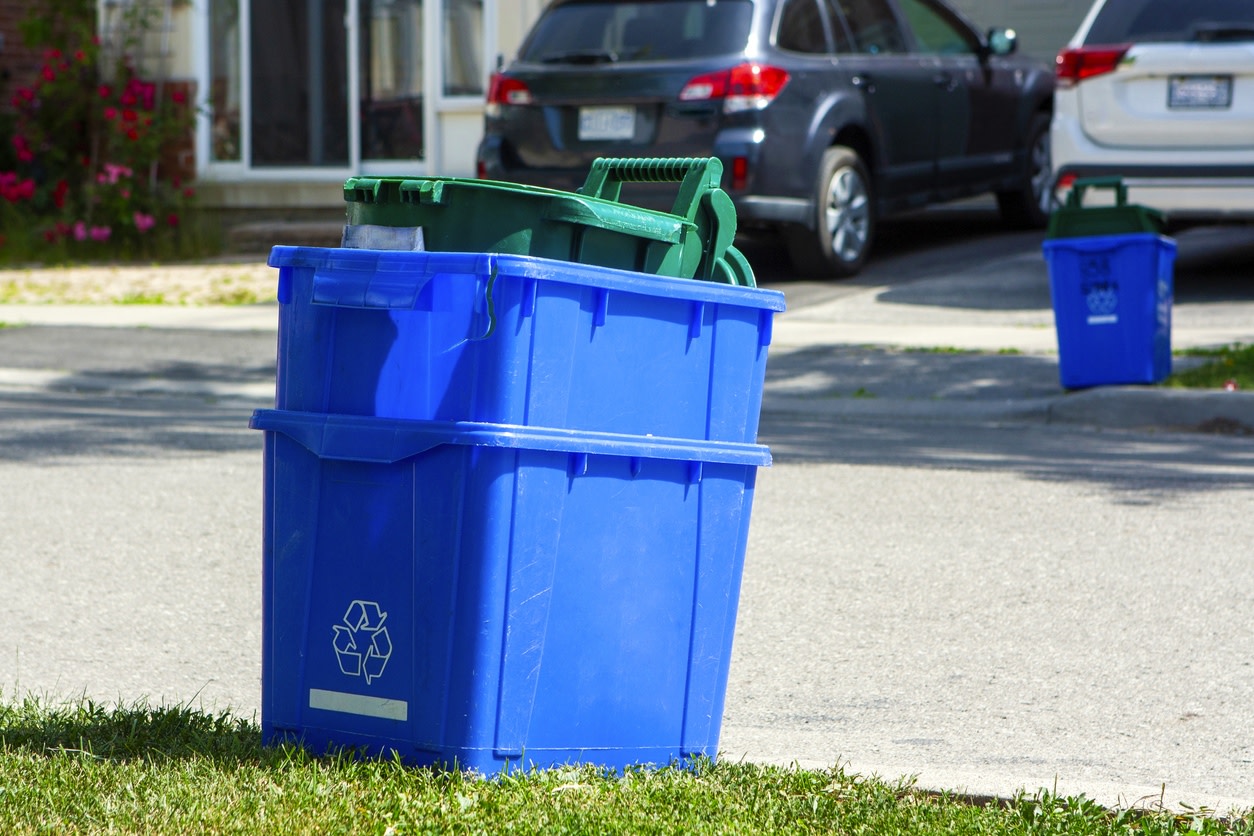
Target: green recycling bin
[
  {"x": 592, "y": 226},
  {"x": 1075, "y": 220}
]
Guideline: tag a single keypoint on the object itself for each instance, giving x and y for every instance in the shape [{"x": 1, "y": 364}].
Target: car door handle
[{"x": 863, "y": 82}]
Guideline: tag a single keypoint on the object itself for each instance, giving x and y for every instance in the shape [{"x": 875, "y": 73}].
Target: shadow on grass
[{"x": 128, "y": 733}]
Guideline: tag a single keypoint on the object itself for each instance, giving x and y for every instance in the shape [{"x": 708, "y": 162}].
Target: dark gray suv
[{"x": 826, "y": 114}]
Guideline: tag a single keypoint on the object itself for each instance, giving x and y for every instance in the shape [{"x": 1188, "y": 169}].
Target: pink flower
[
  {"x": 100, "y": 233},
  {"x": 49, "y": 74},
  {"x": 110, "y": 113},
  {"x": 113, "y": 173},
  {"x": 80, "y": 231},
  {"x": 144, "y": 222},
  {"x": 172, "y": 219},
  {"x": 22, "y": 147},
  {"x": 104, "y": 91}
]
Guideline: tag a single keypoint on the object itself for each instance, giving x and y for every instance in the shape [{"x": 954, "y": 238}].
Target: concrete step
[{"x": 260, "y": 236}]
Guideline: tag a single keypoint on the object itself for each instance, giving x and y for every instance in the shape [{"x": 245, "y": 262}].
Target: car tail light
[
  {"x": 743, "y": 87},
  {"x": 503, "y": 90},
  {"x": 739, "y": 173},
  {"x": 1063, "y": 186},
  {"x": 1074, "y": 65}
]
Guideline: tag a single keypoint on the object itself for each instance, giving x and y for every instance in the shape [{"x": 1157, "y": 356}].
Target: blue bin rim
[
  {"x": 523, "y": 267},
  {"x": 390, "y": 440},
  {"x": 1097, "y": 243}
]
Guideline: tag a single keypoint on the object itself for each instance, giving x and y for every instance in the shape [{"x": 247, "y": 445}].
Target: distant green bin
[
  {"x": 589, "y": 227},
  {"x": 1074, "y": 220}
]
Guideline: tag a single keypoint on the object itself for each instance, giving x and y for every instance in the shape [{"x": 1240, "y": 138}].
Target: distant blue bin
[
  {"x": 1112, "y": 297},
  {"x": 519, "y": 340},
  {"x": 485, "y": 596}
]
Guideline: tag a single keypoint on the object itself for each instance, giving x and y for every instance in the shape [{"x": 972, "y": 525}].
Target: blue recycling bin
[
  {"x": 1112, "y": 297},
  {"x": 490, "y": 597},
  {"x": 506, "y": 507},
  {"x": 518, "y": 339}
]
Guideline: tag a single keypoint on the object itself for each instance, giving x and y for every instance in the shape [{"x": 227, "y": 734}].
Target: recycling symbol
[
  {"x": 1102, "y": 298},
  {"x": 362, "y": 644}
]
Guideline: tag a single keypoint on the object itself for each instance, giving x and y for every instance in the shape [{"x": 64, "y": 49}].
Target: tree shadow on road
[
  {"x": 1138, "y": 466},
  {"x": 46, "y": 426}
]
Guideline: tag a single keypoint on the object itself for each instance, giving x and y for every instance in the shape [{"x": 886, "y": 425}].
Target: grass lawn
[
  {"x": 1222, "y": 367},
  {"x": 89, "y": 768}
]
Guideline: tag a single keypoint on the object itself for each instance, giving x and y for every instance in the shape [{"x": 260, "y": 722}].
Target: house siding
[{"x": 19, "y": 64}]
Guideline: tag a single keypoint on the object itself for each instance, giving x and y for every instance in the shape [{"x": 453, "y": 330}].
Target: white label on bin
[
  {"x": 358, "y": 704},
  {"x": 1102, "y": 300}
]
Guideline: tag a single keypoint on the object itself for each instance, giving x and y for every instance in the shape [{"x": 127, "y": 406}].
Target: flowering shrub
[{"x": 92, "y": 144}]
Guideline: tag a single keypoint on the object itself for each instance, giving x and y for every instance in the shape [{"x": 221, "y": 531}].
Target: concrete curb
[{"x": 1120, "y": 408}]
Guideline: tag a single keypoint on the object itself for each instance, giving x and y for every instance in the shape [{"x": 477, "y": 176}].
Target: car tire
[
  {"x": 1028, "y": 206},
  {"x": 844, "y": 221}
]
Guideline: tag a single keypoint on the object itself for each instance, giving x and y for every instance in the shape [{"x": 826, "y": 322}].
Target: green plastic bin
[
  {"x": 693, "y": 240},
  {"x": 1074, "y": 220}
]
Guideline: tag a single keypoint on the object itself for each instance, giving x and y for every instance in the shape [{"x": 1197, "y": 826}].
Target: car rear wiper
[
  {"x": 1223, "y": 32},
  {"x": 581, "y": 56}
]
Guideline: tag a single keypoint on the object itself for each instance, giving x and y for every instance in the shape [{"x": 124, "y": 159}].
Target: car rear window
[
  {"x": 1140, "y": 21},
  {"x": 599, "y": 32}
]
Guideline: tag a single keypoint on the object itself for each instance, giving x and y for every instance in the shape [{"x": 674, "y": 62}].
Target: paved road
[{"x": 963, "y": 573}]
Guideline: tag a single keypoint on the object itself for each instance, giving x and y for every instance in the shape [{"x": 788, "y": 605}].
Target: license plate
[
  {"x": 1199, "y": 91},
  {"x": 607, "y": 122}
]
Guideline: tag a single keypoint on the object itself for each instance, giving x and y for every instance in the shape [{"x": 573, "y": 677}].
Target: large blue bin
[
  {"x": 487, "y": 596},
  {"x": 1112, "y": 298},
  {"x": 519, "y": 340}
]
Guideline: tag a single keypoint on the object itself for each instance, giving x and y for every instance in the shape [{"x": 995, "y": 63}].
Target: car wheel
[
  {"x": 840, "y": 241},
  {"x": 1028, "y": 206}
]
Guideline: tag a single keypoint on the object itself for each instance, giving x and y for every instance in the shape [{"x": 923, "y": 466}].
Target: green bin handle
[
  {"x": 1076, "y": 196},
  {"x": 701, "y": 198},
  {"x": 696, "y": 176}
]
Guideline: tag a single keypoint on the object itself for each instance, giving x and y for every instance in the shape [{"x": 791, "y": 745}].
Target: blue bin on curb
[
  {"x": 1112, "y": 297},
  {"x": 488, "y": 597},
  {"x": 515, "y": 339}
]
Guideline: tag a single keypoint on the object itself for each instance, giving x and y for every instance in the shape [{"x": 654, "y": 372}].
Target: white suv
[{"x": 1161, "y": 94}]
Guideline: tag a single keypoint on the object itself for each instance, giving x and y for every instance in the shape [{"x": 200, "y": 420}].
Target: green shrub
[{"x": 91, "y": 168}]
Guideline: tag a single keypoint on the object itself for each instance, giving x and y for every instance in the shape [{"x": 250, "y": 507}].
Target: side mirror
[{"x": 1002, "y": 41}]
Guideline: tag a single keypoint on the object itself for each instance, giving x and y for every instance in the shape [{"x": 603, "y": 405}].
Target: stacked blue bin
[
  {"x": 507, "y": 500},
  {"x": 1111, "y": 283}
]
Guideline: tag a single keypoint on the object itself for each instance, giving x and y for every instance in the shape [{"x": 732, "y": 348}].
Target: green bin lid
[
  {"x": 1074, "y": 220},
  {"x": 697, "y": 232}
]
